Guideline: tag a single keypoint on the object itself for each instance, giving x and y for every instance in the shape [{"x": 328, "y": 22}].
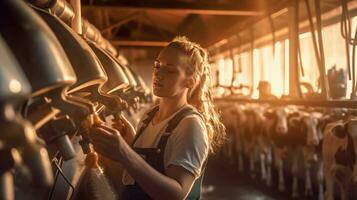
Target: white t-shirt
[{"x": 187, "y": 146}]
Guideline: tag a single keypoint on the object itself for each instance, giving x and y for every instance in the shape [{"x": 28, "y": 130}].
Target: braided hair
[{"x": 199, "y": 95}]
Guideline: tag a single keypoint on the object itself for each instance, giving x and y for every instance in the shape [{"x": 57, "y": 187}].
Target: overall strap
[
  {"x": 195, "y": 192},
  {"x": 178, "y": 117},
  {"x": 146, "y": 121},
  {"x": 172, "y": 124}
]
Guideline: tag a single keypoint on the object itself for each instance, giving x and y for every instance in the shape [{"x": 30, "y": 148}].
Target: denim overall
[{"x": 155, "y": 157}]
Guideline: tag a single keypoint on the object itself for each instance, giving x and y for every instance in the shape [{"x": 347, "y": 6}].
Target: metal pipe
[
  {"x": 91, "y": 33},
  {"x": 252, "y": 38},
  {"x": 61, "y": 8},
  {"x": 201, "y": 11},
  {"x": 272, "y": 27},
  {"x": 234, "y": 66},
  {"x": 324, "y": 84},
  {"x": 310, "y": 103},
  {"x": 77, "y": 21},
  {"x": 346, "y": 32},
  {"x": 294, "y": 88},
  {"x": 141, "y": 43},
  {"x": 240, "y": 70}
]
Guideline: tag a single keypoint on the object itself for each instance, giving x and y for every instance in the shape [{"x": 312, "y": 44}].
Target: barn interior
[{"x": 281, "y": 76}]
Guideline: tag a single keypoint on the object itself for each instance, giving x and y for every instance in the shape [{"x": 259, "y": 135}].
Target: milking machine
[
  {"x": 92, "y": 83},
  {"x": 50, "y": 74},
  {"x": 136, "y": 91},
  {"x": 73, "y": 81},
  {"x": 19, "y": 143},
  {"x": 130, "y": 95},
  {"x": 117, "y": 83},
  {"x": 49, "y": 71},
  {"x": 89, "y": 77},
  {"x": 143, "y": 91},
  {"x": 87, "y": 66}
]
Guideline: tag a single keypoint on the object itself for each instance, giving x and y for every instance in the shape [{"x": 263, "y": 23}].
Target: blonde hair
[{"x": 200, "y": 96}]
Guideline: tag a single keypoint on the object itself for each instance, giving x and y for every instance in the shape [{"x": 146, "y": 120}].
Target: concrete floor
[{"x": 222, "y": 182}]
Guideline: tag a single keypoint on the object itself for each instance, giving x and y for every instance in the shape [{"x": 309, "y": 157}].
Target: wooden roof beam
[
  {"x": 139, "y": 43},
  {"x": 200, "y": 11},
  {"x": 125, "y": 20}
]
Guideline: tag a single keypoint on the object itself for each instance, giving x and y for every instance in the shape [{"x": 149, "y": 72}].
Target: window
[
  {"x": 275, "y": 68},
  {"x": 225, "y": 67},
  {"x": 271, "y": 68},
  {"x": 334, "y": 51}
]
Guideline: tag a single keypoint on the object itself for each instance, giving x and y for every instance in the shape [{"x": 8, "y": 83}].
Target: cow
[
  {"x": 238, "y": 144},
  {"x": 339, "y": 156},
  {"x": 248, "y": 139},
  {"x": 256, "y": 141},
  {"x": 233, "y": 118},
  {"x": 277, "y": 125},
  {"x": 227, "y": 115},
  {"x": 303, "y": 138}
]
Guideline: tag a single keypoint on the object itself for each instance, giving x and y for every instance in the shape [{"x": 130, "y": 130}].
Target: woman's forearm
[
  {"x": 155, "y": 184},
  {"x": 175, "y": 185}
]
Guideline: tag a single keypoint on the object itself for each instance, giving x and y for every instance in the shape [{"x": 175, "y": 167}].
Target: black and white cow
[
  {"x": 303, "y": 138},
  {"x": 339, "y": 156}
]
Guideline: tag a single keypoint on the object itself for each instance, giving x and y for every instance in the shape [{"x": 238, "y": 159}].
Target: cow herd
[{"x": 316, "y": 146}]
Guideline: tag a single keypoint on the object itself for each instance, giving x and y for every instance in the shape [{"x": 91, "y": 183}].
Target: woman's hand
[
  {"x": 175, "y": 185},
  {"x": 107, "y": 141},
  {"x": 125, "y": 128}
]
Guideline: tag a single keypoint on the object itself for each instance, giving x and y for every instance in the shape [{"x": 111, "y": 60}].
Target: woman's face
[{"x": 168, "y": 75}]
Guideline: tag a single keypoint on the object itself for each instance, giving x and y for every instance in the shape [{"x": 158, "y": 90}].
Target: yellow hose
[{"x": 91, "y": 160}]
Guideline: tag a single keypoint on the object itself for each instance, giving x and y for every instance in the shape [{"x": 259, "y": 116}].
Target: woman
[{"x": 162, "y": 163}]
